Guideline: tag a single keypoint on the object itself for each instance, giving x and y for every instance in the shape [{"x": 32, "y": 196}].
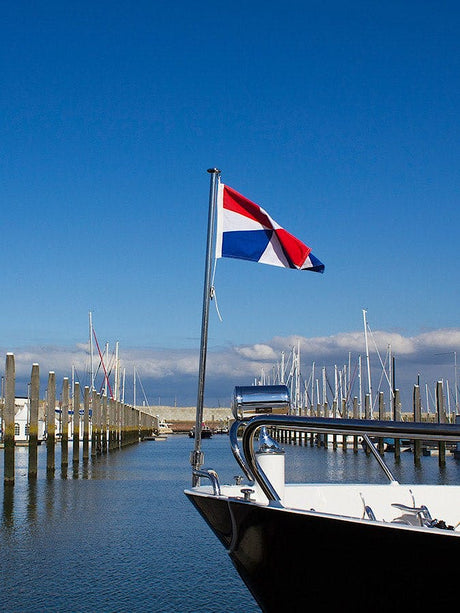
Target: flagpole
[{"x": 197, "y": 456}]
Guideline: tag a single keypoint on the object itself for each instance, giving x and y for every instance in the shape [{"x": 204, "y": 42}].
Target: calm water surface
[{"x": 119, "y": 535}]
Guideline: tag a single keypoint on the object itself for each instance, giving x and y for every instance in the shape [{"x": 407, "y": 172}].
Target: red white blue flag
[{"x": 246, "y": 232}]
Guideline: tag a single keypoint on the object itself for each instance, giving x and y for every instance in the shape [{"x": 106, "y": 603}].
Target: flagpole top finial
[{"x": 213, "y": 170}]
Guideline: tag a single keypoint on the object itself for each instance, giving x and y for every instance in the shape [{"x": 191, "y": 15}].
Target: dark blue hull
[{"x": 294, "y": 561}]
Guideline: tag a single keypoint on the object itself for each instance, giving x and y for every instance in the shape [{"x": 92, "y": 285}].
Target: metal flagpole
[
  {"x": 197, "y": 456},
  {"x": 91, "y": 349}
]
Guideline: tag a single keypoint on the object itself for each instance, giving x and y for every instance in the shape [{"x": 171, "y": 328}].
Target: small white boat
[
  {"x": 156, "y": 437},
  {"x": 205, "y": 431},
  {"x": 164, "y": 428}
]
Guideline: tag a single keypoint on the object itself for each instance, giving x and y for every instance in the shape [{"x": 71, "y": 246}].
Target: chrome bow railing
[
  {"x": 353, "y": 427},
  {"x": 212, "y": 476}
]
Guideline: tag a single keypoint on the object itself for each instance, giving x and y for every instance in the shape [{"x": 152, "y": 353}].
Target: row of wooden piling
[
  {"x": 113, "y": 423},
  {"x": 322, "y": 410}
]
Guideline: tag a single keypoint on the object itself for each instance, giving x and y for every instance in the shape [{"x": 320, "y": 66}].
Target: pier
[{"x": 102, "y": 426}]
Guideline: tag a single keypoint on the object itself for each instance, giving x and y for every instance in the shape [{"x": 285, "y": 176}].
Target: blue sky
[{"x": 339, "y": 118}]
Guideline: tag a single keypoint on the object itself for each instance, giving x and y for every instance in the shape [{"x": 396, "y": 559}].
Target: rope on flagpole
[
  {"x": 213, "y": 294},
  {"x": 214, "y": 297}
]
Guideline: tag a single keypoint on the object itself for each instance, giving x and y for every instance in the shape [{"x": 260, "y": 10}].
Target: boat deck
[{"x": 390, "y": 503}]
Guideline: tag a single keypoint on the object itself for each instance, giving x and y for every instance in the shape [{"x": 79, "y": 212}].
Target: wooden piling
[
  {"x": 86, "y": 423},
  {"x": 114, "y": 425},
  {"x": 111, "y": 420},
  {"x": 118, "y": 422},
  {"x": 122, "y": 424},
  {"x": 8, "y": 420},
  {"x": 381, "y": 443},
  {"x": 367, "y": 415},
  {"x": 146, "y": 428},
  {"x": 65, "y": 423},
  {"x": 33, "y": 421},
  {"x": 355, "y": 416},
  {"x": 99, "y": 424},
  {"x": 138, "y": 425},
  {"x": 325, "y": 436},
  {"x": 104, "y": 424},
  {"x": 131, "y": 424},
  {"x": 334, "y": 415},
  {"x": 76, "y": 423},
  {"x": 367, "y": 406},
  {"x": 397, "y": 417},
  {"x": 417, "y": 409},
  {"x": 94, "y": 423},
  {"x": 127, "y": 424},
  {"x": 50, "y": 424},
  {"x": 142, "y": 426},
  {"x": 345, "y": 416},
  {"x": 441, "y": 414}
]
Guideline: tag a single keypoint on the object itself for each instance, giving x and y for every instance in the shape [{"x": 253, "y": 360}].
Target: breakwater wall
[{"x": 181, "y": 419}]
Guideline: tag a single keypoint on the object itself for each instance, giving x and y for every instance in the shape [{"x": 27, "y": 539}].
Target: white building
[{"x": 21, "y": 421}]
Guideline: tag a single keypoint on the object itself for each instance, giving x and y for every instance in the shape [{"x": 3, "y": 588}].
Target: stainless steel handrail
[
  {"x": 212, "y": 476},
  {"x": 379, "y": 458},
  {"x": 361, "y": 427},
  {"x": 233, "y": 434}
]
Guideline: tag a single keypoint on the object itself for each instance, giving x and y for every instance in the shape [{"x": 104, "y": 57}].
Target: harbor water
[{"x": 119, "y": 535}]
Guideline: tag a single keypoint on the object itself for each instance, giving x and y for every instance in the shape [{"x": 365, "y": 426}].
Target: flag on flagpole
[{"x": 246, "y": 232}]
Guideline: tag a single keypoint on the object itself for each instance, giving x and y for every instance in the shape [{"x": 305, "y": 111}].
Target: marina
[
  {"x": 292, "y": 443},
  {"x": 270, "y": 518},
  {"x": 120, "y": 535}
]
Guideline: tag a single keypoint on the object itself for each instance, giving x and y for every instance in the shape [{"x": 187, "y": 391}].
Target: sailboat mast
[
  {"x": 369, "y": 381},
  {"x": 456, "y": 386},
  {"x": 197, "y": 457},
  {"x": 117, "y": 381},
  {"x": 336, "y": 384},
  {"x": 360, "y": 377},
  {"x": 134, "y": 386},
  {"x": 91, "y": 351},
  {"x": 312, "y": 384},
  {"x": 106, "y": 378},
  {"x": 297, "y": 383}
]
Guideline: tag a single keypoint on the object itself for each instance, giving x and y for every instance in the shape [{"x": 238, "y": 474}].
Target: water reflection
[
  {"x": 49, "y": 497},
  {"x": 32, "y": 501},
  {"x": 8, "y": 506}
]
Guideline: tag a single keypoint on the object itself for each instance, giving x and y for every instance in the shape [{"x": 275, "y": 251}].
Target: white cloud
[
  {"x": 323, "y": 346},
  {"x": 257, "y": 352},
  {"x": 166, "y": 370}
]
